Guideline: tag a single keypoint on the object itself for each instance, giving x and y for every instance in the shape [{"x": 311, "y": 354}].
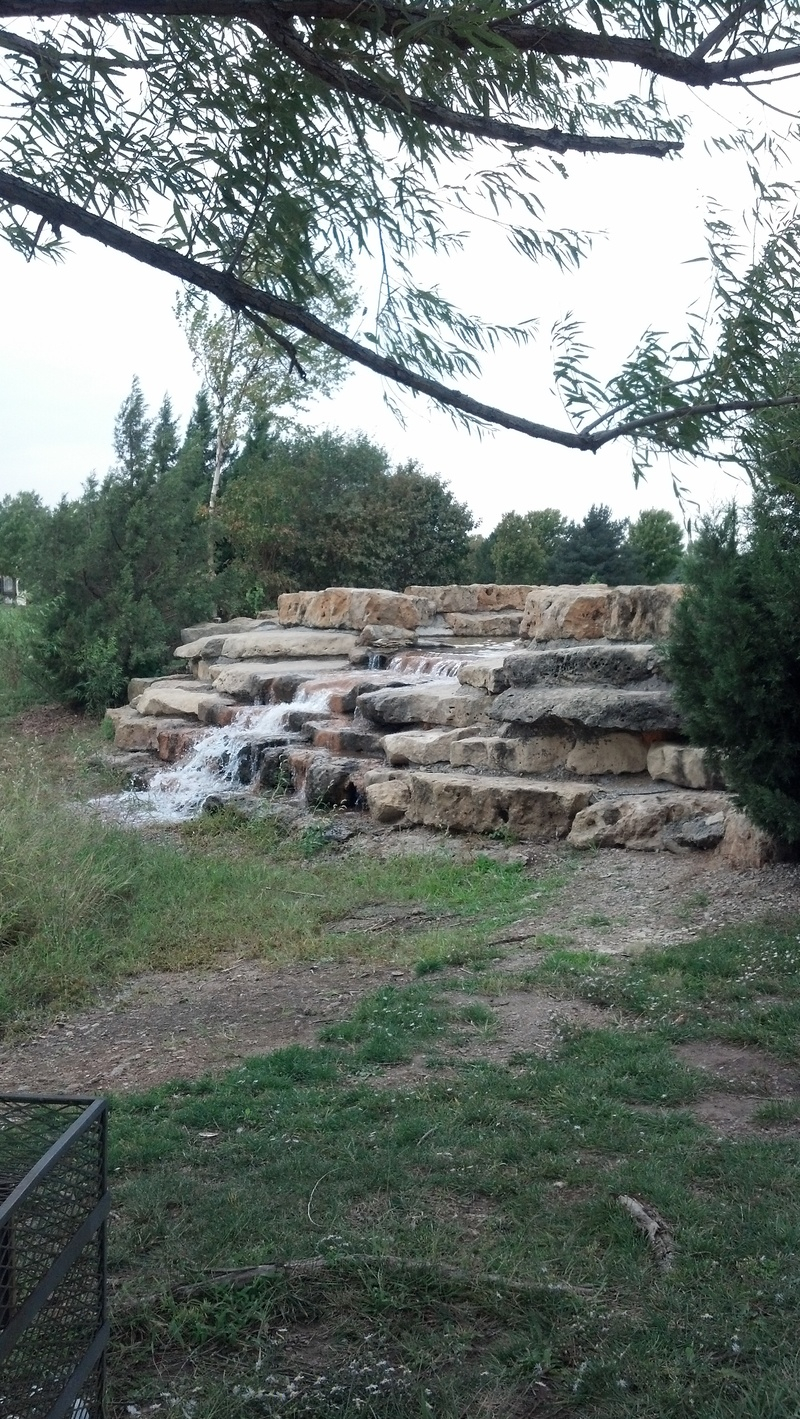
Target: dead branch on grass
[{"x": 654, "y": 1227}]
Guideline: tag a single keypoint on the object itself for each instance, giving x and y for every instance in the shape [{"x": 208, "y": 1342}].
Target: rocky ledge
[{"x": 536, "y": 711}]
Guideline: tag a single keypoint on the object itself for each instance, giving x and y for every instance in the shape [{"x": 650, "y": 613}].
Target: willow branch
[
  {"x": 723, "y": 29},
  {"x": 557, "y": 40},
  {"x": 42, "y": 53},
  {"x": 692, "y": 411},
  {"x": 516, "y": 134},
  {"x": 238, "y": 295}
]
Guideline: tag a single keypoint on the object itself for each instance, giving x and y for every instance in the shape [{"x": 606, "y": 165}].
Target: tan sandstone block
[
  {"x": 352, "y": 608},
  {"x": 489, "y": 752},
  {"x": 467, "y": 803},
  {"x": 388, "y": 800},
  {"x": 637, "y": 820},
  {"x": 744, "y": 846},
  {"x": 279, "y": 643},
  {"x": 495, "y": 625},
  {"x": 609, "y": 754},
  {"x": 642, "y": 613},
  {"x": 422, "y": 746},
  {"x": 566, "y": 613},
  {"x": 683, "y": 764}
]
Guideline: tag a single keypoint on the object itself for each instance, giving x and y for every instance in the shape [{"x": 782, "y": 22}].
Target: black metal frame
[{"x": 61, "y": 1255}]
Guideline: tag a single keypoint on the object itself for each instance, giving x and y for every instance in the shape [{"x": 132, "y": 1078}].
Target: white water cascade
[{"x": 213, "y": 766}]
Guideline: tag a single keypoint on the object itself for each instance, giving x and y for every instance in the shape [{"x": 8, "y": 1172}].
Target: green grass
[
  {"x": 83, "y": 904},
  {"x": 741, "y": 985},
  {"x": 509, "y": 1172}
]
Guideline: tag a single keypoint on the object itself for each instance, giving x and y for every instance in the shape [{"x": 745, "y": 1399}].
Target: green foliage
[
  {"x": 23, "y": 679},
  {"x": 316, "y": 510},
  {"x": 22, "y": 521},
  {"x": 593, "y": 550},
  {"x": 734, "y": 655},
  {"x": 522, "y": 547},
  {"x": 656, "y": 540},
  {"x": 117, "y": 571},
  {"x": 284, "y": 151}
]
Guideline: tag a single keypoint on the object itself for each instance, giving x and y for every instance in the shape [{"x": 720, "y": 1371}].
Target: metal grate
[{"x": 53, "y": 1209}]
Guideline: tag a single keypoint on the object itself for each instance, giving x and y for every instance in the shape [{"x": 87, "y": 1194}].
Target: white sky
[{"x": 73, "y": 336}]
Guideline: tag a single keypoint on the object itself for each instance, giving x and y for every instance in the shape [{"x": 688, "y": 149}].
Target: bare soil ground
[{"x": 184, "y": 1024}]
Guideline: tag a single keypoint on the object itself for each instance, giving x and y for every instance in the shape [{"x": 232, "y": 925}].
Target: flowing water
[
  {"x": 219, "y": 763},
  {"x": 214, "y": 765}
]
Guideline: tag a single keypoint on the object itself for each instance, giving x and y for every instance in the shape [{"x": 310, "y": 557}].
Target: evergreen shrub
[{"x": 734, "y": 655}]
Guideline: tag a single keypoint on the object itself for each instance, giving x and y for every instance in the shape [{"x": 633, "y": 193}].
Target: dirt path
[{"x": 184, "y": 1024}]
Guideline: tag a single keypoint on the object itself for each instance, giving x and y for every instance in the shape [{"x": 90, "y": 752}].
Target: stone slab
[
  {"x": 615, "y": 753},
  {"x": 251, "y": 680},
  {"x": 173, "y": 698},
  {"x": 485, "y": 625},
  {"x": 488, "y": 674},
  {"x": 138, "y": 733},
  {"x": 353, "y": 608},
  {"x": 590, "y": 707},
  {"x": 593, "y": 663},
  {"x": 595, "y": 612},
  {"x": 477, "y": 596},
  {"x": 278, "y": 643},
  {"x": 388, "y": 799},
  {"x": 422, "y": 746},
  {"x": 637, "y": 820},
  {"x": 435, "y": 702},
  {"x": 476, "y": 804},
  {"x": 681, "y": 764},
  {"x": 212, "y": 628}
]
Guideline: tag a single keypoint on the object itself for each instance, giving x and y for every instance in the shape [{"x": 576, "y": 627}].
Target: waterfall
[{"x": 214, "y": 765}]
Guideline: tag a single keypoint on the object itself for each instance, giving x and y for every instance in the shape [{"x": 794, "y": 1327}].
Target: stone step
[
  {"x": 435, "y": 702},
  {"x": 343, "y": 690},
  {"x": 488, "y": 673},
  {"x": 238, "y": 623},
  {"x": 476, "y": 804},
  {"x": 340, "y": 736},
  {"x": 137, "y": 733},
  {"x": 594, "y": 663},
  {"x": 269, "y": 643},
  {"x": 252, "y": 680},
  {"x": 589, "y": 707},
  {"x": 679, "y": 819},
  {"x": 188, "y": 700},
  {"x": 423, "y": 746},
  {"x": 489, "y": 625},
  {"x": 353, "y": 608},
  {"x": 614, "y": 753},
  {"x": 682, "y": 764},
  {"x": 478, "y": 596}
]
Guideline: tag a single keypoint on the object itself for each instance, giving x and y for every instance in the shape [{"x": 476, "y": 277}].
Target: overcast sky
[{"x": 73, "y": 335}]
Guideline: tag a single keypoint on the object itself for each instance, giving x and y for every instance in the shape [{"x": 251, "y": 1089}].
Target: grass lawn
[
  {"x": 474, "y": 1258},
  {"x": 445, "y": 1242}
]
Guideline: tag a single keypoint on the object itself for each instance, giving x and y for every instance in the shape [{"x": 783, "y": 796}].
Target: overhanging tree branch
[
  {"x": 238, "y": 295},
  {"x": 250, "y": 300},
  {"x": 557, "y": 41},
  {"x": 518, "y": 135}
]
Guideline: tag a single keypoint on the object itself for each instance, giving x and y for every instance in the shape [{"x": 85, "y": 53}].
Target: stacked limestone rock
[{"x": 571, "y": 731}]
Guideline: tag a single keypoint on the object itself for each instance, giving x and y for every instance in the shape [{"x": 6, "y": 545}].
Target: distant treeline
[{"x": 113, "y": 574}]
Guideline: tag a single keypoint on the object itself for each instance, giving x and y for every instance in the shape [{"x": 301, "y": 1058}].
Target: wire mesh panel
[{"x": 53, "y": 1206}]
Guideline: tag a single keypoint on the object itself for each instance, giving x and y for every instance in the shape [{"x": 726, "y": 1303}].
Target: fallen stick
[{"x": 654, "y": 1227}]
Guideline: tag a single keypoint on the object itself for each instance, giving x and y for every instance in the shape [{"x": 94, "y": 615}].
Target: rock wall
[{"x": 542, "y": 711}]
